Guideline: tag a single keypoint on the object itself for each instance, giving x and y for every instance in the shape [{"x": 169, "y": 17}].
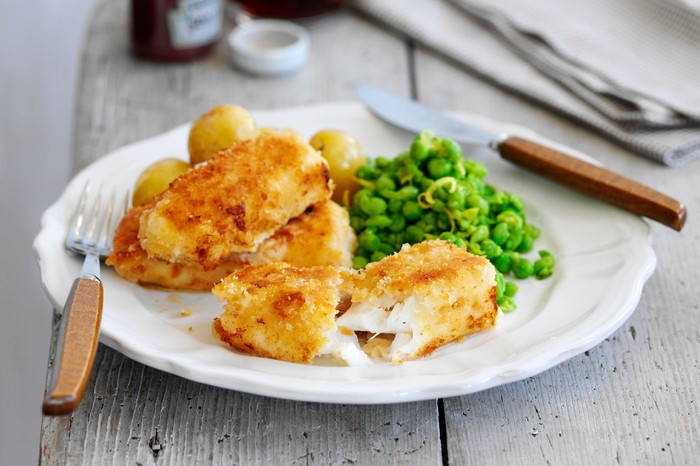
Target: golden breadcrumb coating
[
  {"x": 442, "y": 292},
  {"x": 320, "y": 236},
  {"x": 404, "y": 306},
  {"x": 235, "y": 200},
  {"x": 131, "y": 262},
  {"x": 278, "y": 311}
]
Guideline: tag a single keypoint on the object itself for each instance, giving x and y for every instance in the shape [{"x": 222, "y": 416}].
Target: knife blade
[{"x": 574, "y": 173}]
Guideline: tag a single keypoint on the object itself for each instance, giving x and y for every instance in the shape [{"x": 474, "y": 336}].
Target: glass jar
[{"x": 174, "y": 30}]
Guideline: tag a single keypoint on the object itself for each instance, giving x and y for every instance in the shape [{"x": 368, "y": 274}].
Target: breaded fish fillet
[
  {"x": 131, "y": 262},
  {"x": 279, "y": 311},
  {"x": 235, "y": 200},
  {"x": 415, "y": 301},
  {"x": 320, "y": 236},
  {"x": 427, "y": 295}
]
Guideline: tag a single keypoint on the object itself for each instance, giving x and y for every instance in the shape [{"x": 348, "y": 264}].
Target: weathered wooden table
[{"x": 633, "y": 399}]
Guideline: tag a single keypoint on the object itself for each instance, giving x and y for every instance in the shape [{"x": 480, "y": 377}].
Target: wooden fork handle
[
  {"x": 594, "y": 181},
  {"x": 76, "y": 346}
]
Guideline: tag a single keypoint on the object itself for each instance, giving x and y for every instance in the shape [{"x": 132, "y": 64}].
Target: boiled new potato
[
  {"x": 344, "y": 156},
  {"x": 156, "y": 178},
  {"x": 219, "y": 128}
]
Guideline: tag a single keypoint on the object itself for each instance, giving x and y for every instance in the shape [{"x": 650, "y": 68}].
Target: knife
[{"x": 566, "y": 170}]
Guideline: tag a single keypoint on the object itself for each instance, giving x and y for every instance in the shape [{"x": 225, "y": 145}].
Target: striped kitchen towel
[{"x": 629, "y": 69}]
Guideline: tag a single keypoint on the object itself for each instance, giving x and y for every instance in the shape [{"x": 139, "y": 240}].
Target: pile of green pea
[{"x": 431, "y": 192}]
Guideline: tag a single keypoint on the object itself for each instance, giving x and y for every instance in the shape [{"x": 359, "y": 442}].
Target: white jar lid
[{"x": 269, "y": 47}]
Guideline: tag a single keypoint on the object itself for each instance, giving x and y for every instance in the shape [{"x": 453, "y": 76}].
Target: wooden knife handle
[
  {"x": 76, "y": 346},
  {"x": 594, "y": 181}
]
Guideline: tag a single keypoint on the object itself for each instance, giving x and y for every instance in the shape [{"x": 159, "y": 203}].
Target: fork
[{"x": 90, "y": 233}]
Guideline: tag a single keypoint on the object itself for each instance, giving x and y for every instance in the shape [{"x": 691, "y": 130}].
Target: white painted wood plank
[
  {"x": 136, "y": 414},
  {"x": 633, "y": 399}
]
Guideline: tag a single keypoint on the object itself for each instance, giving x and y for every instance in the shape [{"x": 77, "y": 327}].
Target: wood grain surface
[
  {"x": 594, "y": 181},
  {"x": 633, "y": 399},
  {"x": 76, "y": 346}
]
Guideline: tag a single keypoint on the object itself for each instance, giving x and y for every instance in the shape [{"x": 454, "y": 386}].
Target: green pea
[
  {"x": 377, "y": 256},
  {"x": 491, "y": 249},
  {"x": 516, "y": 202},
  {"x": 500, "y": 287},
  {"x": 411, "y": 210},
  {"x": 507, "y": 304},
  {"x": 382, "y": 162},
  {"x": 386, "y": 194},
  {"x": 407, "y": 193},
  {"x": 437, "y": 168},
  {"x": 531, "y": 231},
  {"x": 470, "y": 214},
  {"x": 395, "y": 205},
  {"x": 360, "y": 195},
  {"x": 503, "y": 262},
  {"x": 357, "y": 223},
  {"x": 452, "y": 148},
  {"x": 438, "y": 206},
  {"x": 426, "y": 227},
  {"x": 480, "y": 233},
  {"x": 386, "y": 248},
  {"x": 425, "y": 183},
  {"x": 474, "y": 200},
  {"x": 396, "y": 240},
  {"x": 475, "y": 248},
  {"x": 500, "y": 233},
  {"x": 544, "y": 266},
  {"x": 514, "y": 240},
  {"x": 510, "y": 289},
  {"x": 384, "y": 182},
  {"x": 430, "y": 218},
  {"x": 447, "y": 236},
  {"x": 359, "y": 262},
  {"x": 511, "y": 218},
  {"x": 419, "y": 150},
  {"x": 459, "y": 242},
  {"x": 522, "y": 268},
  {"x": 367, "y": 172},
  {"x": 405, "y": 175},
  {"x": 441, "y": 194},
  {"x": 463, "y": 224},
  {"x": 443, "y": 222},
  {"x": 498, "y": 201},
  {"x": 457, "y": 199},
  {"x": 378, "y": 221},
  {"x": 398, "y": 223},
  {"x": 373, "y": 205},
  {"x": 369, "y": 241},
  {"x": 526, "y": 244},
  {"x": 414, "y": 234},
  {"x": 476, "y": 169}
]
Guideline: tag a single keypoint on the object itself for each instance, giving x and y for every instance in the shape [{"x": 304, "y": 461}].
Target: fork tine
[
  {"x": 88, "y": 233},
  {"x": 76, "y": 221},
  {"x": 121, "y": 211},
  {"x": 105, "y": 223},
  {"x": 96, "y": 220}
]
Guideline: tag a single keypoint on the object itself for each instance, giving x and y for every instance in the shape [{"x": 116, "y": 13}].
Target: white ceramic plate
[{"x": 604, "y": 257}]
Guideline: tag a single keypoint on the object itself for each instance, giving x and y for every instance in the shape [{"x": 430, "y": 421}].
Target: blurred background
[{"x": 39, "y": 52}]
